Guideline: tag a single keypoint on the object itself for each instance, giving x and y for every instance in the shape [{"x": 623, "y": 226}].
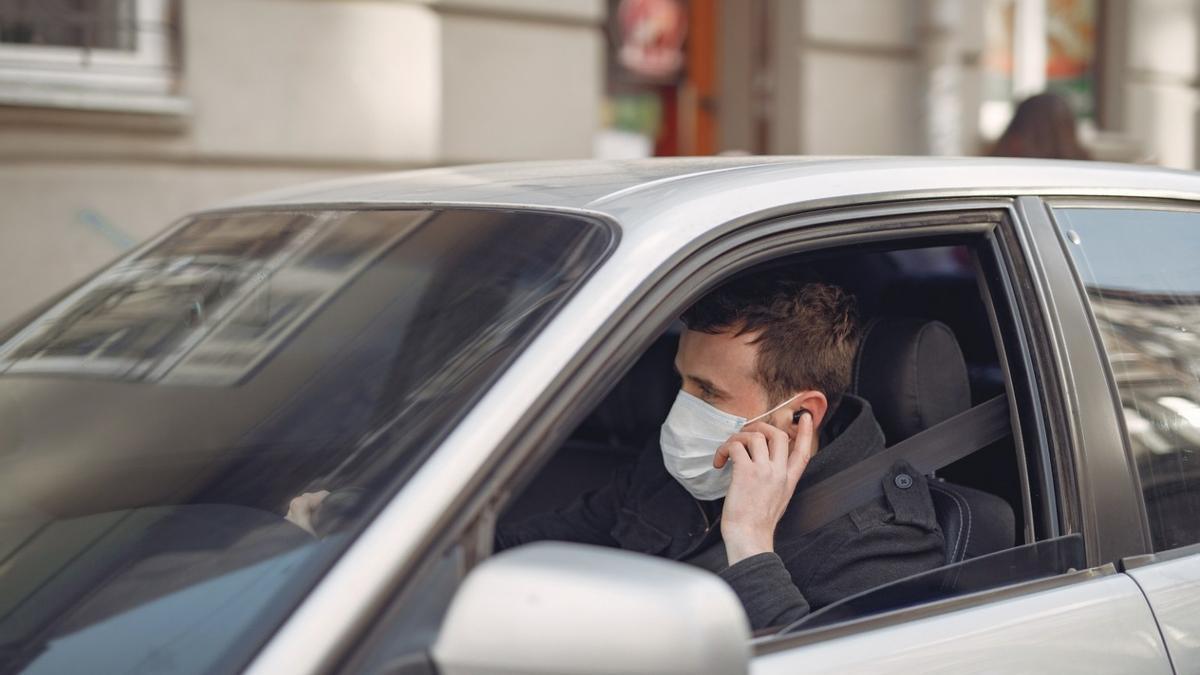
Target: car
[{"x": 448, "y": 349}]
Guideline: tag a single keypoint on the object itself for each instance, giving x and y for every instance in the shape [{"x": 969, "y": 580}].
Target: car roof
[{"x": 631, "y": 190}]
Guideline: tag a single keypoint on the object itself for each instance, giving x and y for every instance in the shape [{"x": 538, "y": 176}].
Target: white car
[{"x": 448, "y": 349}]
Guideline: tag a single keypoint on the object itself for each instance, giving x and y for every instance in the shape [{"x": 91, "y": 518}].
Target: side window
[
  {"x": 980, "y": 502},
  {"x": 1140, "y": 269}
]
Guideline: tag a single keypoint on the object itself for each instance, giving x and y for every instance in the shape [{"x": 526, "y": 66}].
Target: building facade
[
  {"x": 116, "y": 120},
  {"x": 118, "y": 116},
  {"x": 941, "y": 76}
]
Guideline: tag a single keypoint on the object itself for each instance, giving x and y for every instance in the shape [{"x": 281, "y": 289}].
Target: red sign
[{"x": 650, "y": 37}]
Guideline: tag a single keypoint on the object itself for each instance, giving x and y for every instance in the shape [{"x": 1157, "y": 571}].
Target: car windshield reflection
[{"x": 156, "y": 421}]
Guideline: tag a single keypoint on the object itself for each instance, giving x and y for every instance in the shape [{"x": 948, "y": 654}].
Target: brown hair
[
  {"x": 1042, "y": 126},
  {"x": 808, "y": 337}
]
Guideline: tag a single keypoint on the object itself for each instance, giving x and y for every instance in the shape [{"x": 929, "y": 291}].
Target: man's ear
[{"x": 814, "y": 402}]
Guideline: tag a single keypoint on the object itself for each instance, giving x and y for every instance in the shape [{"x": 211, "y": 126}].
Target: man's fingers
[
  {"x": 302, "y": 507},
  {"x": 721, "y": 456},
  {"x": 778, "y": 442},
  {"x": 307, "y": 502},
  {"x": 759, "y": 442},
  {"x": 731, "y": 450},
  {"x": 756, "y": 444},
  {"x": 802, "y": 447}
]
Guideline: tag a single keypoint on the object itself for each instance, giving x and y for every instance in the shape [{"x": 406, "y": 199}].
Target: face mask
[{"x": 690, "y": 437}]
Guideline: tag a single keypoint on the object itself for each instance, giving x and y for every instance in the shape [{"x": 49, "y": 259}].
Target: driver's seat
[{"x": 913, "y": 374}]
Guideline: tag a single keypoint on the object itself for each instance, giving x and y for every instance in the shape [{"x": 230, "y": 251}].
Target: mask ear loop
[{"x": 773, "y": 410}]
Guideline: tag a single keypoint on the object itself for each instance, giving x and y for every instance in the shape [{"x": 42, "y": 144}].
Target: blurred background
[{"x": 118, "y": 116}]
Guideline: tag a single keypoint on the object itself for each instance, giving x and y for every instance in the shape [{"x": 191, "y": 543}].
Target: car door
[
  {"x": 1091, "y": 619},
  {"x": 1136, "y": 263}
]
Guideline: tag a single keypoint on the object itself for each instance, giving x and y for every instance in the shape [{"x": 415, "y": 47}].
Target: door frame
[{"x": 1110, "y": 496}]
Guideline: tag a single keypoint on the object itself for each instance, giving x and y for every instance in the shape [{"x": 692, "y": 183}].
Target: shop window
[{"x": 1031, "y": 46}]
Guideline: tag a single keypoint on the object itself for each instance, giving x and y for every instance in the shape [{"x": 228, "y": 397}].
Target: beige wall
[
  {"x": 847, "y": 76},
  {"x": 286, "y": 91},
  {"x": 1158, "y": 85},
  {"x": 324, "y": 81},
  {"x": 860, "y": 72},
  {"x": 517, "y": 89},
  {"x": 63, "y": 220}
]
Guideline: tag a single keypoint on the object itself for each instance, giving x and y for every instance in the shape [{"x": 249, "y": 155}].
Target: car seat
[{"x": 913, "y": 374}]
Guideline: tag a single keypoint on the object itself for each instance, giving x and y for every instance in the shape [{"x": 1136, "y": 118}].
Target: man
[{"x": 763, "y": 412}]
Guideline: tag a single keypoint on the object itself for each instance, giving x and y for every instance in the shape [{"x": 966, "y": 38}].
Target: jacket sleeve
[
  {"x": 774, "y": 596},
  {"x": 874, "y": 557},
  {"x": 587, "y": 520},
  {"x": 766, "y": 590}
]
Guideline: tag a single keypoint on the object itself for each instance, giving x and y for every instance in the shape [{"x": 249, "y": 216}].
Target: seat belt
[{"x": 939, "y": 445}]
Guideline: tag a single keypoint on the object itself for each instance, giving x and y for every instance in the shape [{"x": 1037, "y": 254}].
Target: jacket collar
[{"x": 849, "y": 436}]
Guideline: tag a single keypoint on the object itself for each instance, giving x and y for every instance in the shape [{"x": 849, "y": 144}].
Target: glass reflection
[
  {"x": 1141, "y": 272},
  {"x": 332, "y": 348},
  {"x": 210, "y": 303}
]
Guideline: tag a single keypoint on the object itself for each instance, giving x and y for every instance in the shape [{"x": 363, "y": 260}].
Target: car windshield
[{"x": 157, "y": 420}]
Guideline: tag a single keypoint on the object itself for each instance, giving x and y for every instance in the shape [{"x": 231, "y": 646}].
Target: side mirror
[{"x": 569, "y": 608}]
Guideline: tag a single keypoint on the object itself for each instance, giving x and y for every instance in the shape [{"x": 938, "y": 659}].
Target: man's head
[{"x": 753, "y": 344}]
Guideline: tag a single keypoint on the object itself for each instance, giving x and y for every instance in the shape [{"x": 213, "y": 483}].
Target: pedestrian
[{"x": 1043, "y": 126}]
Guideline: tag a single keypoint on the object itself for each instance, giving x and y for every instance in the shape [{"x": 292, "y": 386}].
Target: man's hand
[
  {"x": 766, "y": 467},
  {"x": 302, "y": 508}
]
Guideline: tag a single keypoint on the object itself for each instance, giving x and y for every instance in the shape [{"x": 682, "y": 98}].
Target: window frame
[
  {"x": 890, "y": 222},
  {"x": 1114, "y": 415},
  {"x": 142, "y": 80},
  {"x": 1109, "y": 499},
  {"x": 1020, "y": 336}
]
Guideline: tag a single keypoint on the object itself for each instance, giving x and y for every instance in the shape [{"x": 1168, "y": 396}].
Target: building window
[{"x": 89, "y": 54}]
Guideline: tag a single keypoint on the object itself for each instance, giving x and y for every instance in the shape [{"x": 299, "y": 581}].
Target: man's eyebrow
[
  {"x": 704, "y": 384},
  {"x": 708, "y": 386}
]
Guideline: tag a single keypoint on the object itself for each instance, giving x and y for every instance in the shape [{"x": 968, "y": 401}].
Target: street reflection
[
  {"x": 1139, "y": 269},
  {"x": 1155, "y": 357},
  {"x": 207, "y": 304}
]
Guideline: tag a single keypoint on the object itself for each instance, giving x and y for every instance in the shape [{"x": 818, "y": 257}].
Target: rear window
[
  {"x": 156, "y": 422},
  {"x": 1140, "y": 269}
]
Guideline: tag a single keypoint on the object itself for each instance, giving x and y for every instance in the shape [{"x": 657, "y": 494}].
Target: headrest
[{"x": 912, "y": 373}]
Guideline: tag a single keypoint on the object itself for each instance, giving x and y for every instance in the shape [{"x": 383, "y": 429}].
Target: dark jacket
[{"x": 645, "y": 510}]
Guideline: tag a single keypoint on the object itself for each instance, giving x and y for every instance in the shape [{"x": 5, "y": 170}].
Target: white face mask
[{"x": 690, "y": 437}]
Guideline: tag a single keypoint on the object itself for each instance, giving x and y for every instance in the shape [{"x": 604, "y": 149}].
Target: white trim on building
[{"x": 139, "y": 79}]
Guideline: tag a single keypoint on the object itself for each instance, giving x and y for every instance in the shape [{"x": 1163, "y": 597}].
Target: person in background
[{"x": 1043, "y": 127}]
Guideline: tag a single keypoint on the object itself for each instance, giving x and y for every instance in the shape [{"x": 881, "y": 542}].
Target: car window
[
  {"x": 1140, "y": 269},
  {"x": 903, "y": 285},
  {"x": 156, "y": 422}
]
